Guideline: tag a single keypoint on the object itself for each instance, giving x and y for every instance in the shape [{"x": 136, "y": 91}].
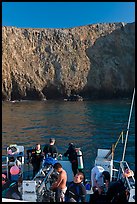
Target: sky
[{"x": 65, "y": 14}]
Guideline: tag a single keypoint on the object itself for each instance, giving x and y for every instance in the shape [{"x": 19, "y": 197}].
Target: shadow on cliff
[{"x": 112, "y": 65}]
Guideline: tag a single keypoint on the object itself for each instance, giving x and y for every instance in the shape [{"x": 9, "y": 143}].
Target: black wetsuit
[
  {"x": 76, "y": 191},
  {"x": 35, "y": 158},
  {"x": 116, "y": 192},
  {"x": 51, "y": 150},
  {"x": 10, "y": 190},
  {"x": 72, "y": 156}
]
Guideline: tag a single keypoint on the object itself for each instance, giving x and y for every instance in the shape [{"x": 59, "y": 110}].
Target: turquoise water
[{"x": 90, "y": 125}]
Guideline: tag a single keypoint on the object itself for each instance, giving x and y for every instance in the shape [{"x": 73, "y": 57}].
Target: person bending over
[
  {"x": 96, "y": 177},
  {"x": 100, "y": 188}
]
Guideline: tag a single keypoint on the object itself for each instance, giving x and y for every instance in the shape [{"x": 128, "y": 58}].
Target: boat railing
[{"x": 119, "y": 169}]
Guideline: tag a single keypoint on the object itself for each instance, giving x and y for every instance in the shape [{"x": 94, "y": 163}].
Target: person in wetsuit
[
  {"x": 50, "y": 150},
  {"x": 10, "y": 189},
  {"x": 117, "y": 192},
  {"x": 35, "y": 157},
  {"x": 72, "y": 156},
  {"x": 76, "y": 191}
]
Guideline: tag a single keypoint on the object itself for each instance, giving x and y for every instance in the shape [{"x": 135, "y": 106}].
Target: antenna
[{"x": 128, "y": 125}]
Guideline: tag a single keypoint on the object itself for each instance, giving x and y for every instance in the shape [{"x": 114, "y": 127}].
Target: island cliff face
[{"x": 94, "y": 61}]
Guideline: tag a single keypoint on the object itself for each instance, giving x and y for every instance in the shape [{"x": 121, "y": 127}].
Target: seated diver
[
  {"x": 76, "y": 191},
  {"x": 10, "y": 189}
]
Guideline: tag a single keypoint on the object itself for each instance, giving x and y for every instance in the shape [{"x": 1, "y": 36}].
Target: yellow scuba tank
[{"x": 80, "y": 159}]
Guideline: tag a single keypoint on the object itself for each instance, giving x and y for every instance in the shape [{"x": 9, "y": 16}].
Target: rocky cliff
[{"x": 94, "y": 61}]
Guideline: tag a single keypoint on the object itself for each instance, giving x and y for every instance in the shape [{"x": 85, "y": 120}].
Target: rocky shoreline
[{"x": 94, "y": 61}]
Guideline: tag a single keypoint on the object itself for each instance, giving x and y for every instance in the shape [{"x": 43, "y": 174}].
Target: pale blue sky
[{"x": 65, "y": 14}]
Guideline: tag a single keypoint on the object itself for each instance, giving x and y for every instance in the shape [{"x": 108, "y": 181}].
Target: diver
[
  {"x": 76, "y": 191},
  {"x": 50, "y": 150},
  {"x": 72, "y": 156},
  {"x": 10, "y": 188},
  {"x": 35, "y": 157}
]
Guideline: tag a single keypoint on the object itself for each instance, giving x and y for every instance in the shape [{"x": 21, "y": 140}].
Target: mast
[{"x": 128, "y": 125}]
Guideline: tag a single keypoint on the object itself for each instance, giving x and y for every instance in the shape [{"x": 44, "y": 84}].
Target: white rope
[{"x": 128, "y": 125}]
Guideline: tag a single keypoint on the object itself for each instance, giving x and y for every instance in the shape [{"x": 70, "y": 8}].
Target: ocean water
[{"x": 88, "y": 124}]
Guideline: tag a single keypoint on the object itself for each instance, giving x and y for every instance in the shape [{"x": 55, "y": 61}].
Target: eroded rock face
[{"x": 94, "y": 61}]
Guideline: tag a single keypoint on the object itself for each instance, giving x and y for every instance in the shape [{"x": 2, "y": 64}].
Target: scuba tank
[{"x": 80, "y": 159}]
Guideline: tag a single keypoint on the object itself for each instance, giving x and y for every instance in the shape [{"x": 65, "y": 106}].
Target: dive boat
[{"x": 37, "y": 189}]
